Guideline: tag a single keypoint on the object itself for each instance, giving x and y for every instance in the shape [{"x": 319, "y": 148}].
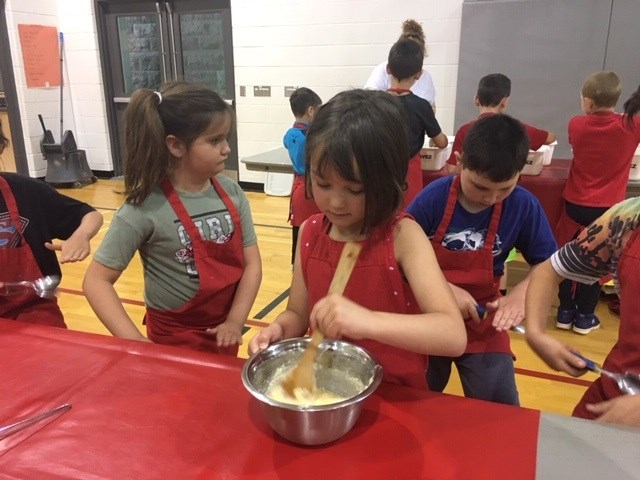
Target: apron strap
[
  {"x": 12, "y": 206},
  {"x": 452, "y": 199}
]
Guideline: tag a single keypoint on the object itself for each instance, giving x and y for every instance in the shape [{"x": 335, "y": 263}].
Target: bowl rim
[{"x": 373, "y": 385}]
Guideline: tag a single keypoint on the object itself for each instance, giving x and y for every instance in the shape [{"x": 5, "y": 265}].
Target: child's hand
[
  {"x": 265, "y": 337},
  {"x": 227, "y": 334},
  {"x": 337, "y": 316},
  {"x": 557, "y": 355},
  {"x": 466, "y": 303},
  {"x": 75, "y": 249},
  {"x": 623, "y": 410},
  {"x": 509, "y": 312}
]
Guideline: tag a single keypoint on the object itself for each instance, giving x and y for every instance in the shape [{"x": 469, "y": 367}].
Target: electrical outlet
[
  {"x": 289, "y": 90},
  {"x": 262, "y": 91}
]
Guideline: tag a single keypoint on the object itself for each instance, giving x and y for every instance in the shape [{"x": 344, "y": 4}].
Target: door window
[
  {"x": 140, "y": 52},
  {"x": 203, "y": 57}
]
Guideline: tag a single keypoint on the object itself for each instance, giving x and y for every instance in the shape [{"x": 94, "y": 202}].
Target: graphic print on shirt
[
  {"x": 8, "y": 235},
  {"x": 210, "y": 226},
  {"x": 468, "y": 240}
]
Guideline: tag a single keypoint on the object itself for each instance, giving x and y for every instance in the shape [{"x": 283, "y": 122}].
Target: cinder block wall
[{"x": 326, "y": 45}]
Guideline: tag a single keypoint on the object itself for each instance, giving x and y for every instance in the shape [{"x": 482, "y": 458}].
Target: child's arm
[
  {"x": 551, "y": 137},
  {"x": 293, "y": 322},
  {"x": 439, "y": 330},
  {"x": 541, "y": 291},
  {"x": 230, "y": 331},
  {"x": 77, "y": 247},
  {"x": 440, "y": 140},
  {"x": 101, "y": 295}
]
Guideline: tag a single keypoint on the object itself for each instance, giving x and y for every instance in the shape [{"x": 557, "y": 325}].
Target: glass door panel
[
  {"x": 141, "y": 55},
  {"x": 203, "y": 55}
]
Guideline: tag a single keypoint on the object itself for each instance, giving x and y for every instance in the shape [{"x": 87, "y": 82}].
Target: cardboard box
[
  {"x": 434, "y": 158},
  {"x": 535, "y": 161}
]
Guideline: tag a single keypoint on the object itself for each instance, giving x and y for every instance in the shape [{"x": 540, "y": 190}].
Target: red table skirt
[{"x": 151, "y": 411}]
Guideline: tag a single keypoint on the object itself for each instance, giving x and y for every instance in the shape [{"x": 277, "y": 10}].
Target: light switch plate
[
  {"x": 262, "y": 91},
  {"x": 289, "y": 90}
]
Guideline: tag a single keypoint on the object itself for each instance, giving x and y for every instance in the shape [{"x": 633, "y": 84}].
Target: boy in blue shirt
[
  {"x": 473, "y": 220},
  {"x": 304, "y": 105}
]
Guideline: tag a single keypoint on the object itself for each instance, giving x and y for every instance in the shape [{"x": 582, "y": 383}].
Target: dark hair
[
  {"x": 632, "y": 106},
  {"x": 301, "y": 99},
  {"x": 362, "y": 134},
  {"x": 4, "y": 141},
  {"x": 492, "y": 89},
  {"x": 178, "y": 108},
  {"x": 405, "y": 59},
  {"x": 603, "y": 89},
  {"x": 496, "y": 147}
]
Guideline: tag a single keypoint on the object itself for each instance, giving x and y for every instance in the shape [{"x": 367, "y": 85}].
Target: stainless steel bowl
[{"x": 313, "y": 425}]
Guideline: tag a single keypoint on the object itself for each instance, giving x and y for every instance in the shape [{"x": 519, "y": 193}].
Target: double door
[{"x": 146, "y": 43}]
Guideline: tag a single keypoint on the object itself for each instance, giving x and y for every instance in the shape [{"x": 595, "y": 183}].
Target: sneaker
[
  {"x": 565, "y": 318},
  {"x": 585, "y": 323}
]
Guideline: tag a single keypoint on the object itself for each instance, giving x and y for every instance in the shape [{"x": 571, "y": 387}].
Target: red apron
[
  {"x": 625, "y": 354},
  {"x": 219, "y": 266},
  {"x": 19, "y": 264},
  {"x": 414, "y": 179},
  {"x": 473, "y": 271},
  {"x": 300, "y": 206},
  {"x": 566, "y": 228},
  {"x": 376, "y": 283}
]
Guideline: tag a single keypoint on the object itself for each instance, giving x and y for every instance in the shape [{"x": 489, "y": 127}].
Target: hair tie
[{"x": 159, "y": 95}]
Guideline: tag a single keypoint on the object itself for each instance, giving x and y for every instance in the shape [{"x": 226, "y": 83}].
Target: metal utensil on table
[
  {"x": 627, "y": 382},
  {"x": 43, "y": 287},
  {"x": 15, "y": 427}
]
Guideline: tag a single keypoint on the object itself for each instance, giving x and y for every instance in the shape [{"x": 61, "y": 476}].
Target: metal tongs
[
  {"x": 27, "y": 422},
  {"x": 44, "y": 287},
  {"x": 628, "y": 382}
]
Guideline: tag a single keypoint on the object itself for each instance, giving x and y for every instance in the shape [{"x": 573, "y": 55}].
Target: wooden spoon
[{"x": 302, "y": 375}]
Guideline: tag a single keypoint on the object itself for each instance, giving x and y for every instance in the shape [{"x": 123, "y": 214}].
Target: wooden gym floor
[{"x": 539, "y": 387}]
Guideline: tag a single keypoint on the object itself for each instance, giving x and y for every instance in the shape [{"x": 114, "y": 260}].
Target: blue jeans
[{"x": 485, "y": 376}]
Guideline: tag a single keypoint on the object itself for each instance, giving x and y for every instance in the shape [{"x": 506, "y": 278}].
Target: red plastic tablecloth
[
  {"x": 547, "y": 187},
  {"x": 149, "y": 411}
]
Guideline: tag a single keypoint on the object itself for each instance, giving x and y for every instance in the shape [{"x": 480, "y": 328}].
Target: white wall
[
  {"x": 326, "y": 45},
  {"x": 83, "y": 106}
]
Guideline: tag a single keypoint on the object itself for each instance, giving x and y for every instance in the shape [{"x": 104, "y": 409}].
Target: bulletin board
[{"x": 40, "y": 54}]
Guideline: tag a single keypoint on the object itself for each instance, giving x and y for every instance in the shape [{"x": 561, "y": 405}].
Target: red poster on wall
[{"x": 40, "y": 55}]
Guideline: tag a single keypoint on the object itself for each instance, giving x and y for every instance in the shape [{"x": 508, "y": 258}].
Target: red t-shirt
[
  {"x": 603, "y": 146},
  {"x": 537, "y": 137}
]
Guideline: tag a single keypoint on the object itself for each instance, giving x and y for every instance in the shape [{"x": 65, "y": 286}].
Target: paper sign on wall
[{"x": 40, "y": 55}]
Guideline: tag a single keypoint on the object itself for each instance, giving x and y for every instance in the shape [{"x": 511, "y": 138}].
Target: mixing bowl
[{"x": 314, "y": 425}]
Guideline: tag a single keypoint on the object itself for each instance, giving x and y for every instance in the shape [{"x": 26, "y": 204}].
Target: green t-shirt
[{"x": 153, "y": 229}]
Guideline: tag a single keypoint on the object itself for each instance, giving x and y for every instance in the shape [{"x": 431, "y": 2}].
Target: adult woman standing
[{"x": 380, "y": 79}]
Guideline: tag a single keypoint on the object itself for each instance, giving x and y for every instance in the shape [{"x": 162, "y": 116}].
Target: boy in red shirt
[
  {"x": 492, "y": 97},
  {"x": 603, "y": 144}
]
